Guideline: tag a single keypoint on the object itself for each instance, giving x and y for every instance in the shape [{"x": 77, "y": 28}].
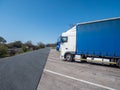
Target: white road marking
[{"x": 80, "y": 80}]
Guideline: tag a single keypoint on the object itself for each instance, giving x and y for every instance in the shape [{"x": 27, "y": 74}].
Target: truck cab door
[{"x": 63, "y": 45}]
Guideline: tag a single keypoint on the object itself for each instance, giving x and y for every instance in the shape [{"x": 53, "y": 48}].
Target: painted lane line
[{"x": 80, "y": 80}]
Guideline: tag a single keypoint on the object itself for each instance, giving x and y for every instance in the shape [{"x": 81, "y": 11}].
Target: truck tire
[
  {"x": 69, "y": 57},
  {"x": 118, "y": 63}
]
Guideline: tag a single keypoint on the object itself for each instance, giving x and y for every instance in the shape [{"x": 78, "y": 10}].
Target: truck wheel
[
  {"x": 118, "y": 63},
  {"x": 69, "y": 57}
]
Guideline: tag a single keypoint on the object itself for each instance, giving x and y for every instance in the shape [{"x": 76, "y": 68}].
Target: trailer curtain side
[{"x": 99, "y": 38}]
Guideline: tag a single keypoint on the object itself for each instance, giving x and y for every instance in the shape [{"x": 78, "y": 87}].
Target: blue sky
[{"x": 45, "y": 20}]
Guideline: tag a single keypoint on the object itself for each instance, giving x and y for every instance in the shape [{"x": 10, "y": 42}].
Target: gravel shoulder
[{"x": 97, "y": 74}]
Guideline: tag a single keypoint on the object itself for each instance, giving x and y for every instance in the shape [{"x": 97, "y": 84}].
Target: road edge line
[{"x": 80, "y": 80}]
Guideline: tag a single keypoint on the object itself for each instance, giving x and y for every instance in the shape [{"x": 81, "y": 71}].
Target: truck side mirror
[{"x": 58, "y": 46}]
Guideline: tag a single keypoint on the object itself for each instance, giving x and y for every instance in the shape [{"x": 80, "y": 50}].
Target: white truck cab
[{"x": 67, "y": 43}]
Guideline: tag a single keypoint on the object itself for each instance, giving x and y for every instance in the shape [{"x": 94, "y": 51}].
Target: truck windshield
[{"x": 64, "y": 39}]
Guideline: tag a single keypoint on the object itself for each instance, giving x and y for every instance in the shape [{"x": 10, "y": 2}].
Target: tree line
[{"x": 16, "y": 47}]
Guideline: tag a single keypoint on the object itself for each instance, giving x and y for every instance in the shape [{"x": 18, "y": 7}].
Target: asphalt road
[
  {"x": 22, "y": 72},
  {"x": 62, "y": 75}
]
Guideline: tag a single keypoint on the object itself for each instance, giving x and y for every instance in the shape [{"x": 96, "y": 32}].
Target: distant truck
[{"x": 95, "y": 41}]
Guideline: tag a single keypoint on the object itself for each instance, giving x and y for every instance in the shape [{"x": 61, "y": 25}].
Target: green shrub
[
  {"x": 12, "y": 52},
  {"x": 41, "y": 45},
  {"x": 25, "y": 48},
  {"x": 3, "y": 50}
]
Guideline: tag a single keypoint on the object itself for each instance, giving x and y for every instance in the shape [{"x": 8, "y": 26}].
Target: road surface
[
  {"x": 63, "y": 75},
  {"x": 22, "y": 72}
]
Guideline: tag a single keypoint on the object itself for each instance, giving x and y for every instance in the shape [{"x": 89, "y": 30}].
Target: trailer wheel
[
  {"x": 118, "y": 63},
  {"x": 69, "y": 57}
]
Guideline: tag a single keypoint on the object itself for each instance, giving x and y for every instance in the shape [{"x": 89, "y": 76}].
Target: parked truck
[{"x": 94, "y": 41}]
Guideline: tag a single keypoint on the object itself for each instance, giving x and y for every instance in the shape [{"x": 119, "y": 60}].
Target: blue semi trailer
[{"x": 95, "y": 41}]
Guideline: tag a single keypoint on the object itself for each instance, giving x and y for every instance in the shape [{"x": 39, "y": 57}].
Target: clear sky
[{"x": 45, "y": 20}]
